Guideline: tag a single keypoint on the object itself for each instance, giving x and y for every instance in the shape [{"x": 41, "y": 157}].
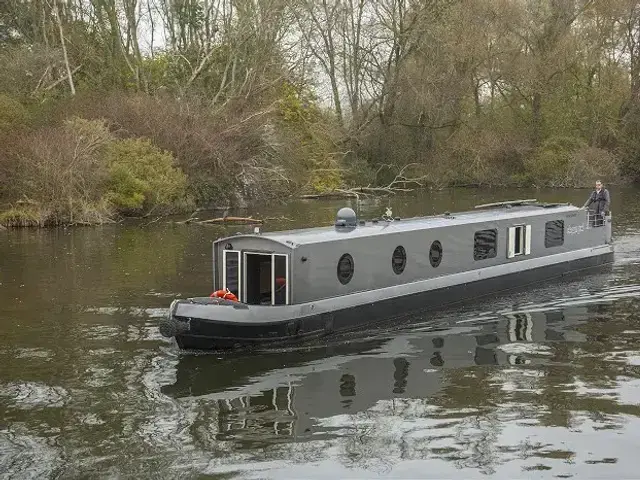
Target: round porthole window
[
  {"x": 399, "y": 260},
  {"x": 345, "y": 268},
  {"x": 435, "y": 254}
]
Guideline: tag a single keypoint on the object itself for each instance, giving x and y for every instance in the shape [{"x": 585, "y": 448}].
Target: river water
[{"x": 542, "y": 382}]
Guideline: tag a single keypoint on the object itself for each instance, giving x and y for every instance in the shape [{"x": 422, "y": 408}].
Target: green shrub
[
  {"x": 141, "y": 176},
  {"x": 12, "y": 114},
  {"x": 94, "y": 132},
  {"x": 552, "y": 163},
  {"x": 126, "y": 192}
]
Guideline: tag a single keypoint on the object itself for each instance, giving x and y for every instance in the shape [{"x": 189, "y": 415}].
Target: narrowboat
[{"x": 272, "y": 288}]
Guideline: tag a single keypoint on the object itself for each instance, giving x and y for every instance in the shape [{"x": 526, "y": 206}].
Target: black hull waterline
[{"x": 211, "y": 323}]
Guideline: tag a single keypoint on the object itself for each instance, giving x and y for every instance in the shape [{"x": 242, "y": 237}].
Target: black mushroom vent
[{"x": 346, "y": 218}]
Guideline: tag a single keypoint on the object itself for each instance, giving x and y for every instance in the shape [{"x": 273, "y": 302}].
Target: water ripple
[
  {"x": 24, "y": 455},
  {"x": 34, "y": 395},
  {"x": 540, "y": 382}
]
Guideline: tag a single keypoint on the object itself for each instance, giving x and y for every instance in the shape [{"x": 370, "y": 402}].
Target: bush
[
  {"x": 80, "y": 173},
  {"x": 569, "y": 162},
  {"x": 60, "y": 171},
  {"x": 552, "y": 160},
  {"x": 13, "y": 115},
  {"x": 629, "y": 149},
  {"x": 141, "y": 176},
  {"x": 210, "y": 149},
  {"x": 591, "y": 163},
  {"x": 21, "y": 217},
  {"x": 28, "y": 69},
  {"x": 258, "y": 149},
  {"x": 306, "y": 141}
]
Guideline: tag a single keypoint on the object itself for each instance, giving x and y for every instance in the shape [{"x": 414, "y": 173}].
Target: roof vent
[{"x": 346, "y": 218}]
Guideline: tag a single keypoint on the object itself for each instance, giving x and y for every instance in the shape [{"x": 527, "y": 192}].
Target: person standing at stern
[{"x": 601, "y": 201}]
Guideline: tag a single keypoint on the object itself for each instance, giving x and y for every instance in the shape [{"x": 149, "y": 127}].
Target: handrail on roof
[{"x": 509, "y": 202}]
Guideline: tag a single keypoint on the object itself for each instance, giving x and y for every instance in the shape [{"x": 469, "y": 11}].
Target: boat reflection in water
[{"x": 267, "y": 397}]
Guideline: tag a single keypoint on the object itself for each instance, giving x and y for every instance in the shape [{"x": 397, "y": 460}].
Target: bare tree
[
  {"x": 63, "y": 44},
  {"x": 318, "y": 25}
]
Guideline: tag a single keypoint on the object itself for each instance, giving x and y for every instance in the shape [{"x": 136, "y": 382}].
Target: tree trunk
[
  {"x": 63, "y": 43},
  {"x": 536, "y": 117}
]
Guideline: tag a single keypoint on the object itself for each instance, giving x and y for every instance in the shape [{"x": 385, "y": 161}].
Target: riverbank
[
  {"x": 245, "y": 212},
  {"x": 242, "y": 115},
  {"x": 92, "y": 160}
]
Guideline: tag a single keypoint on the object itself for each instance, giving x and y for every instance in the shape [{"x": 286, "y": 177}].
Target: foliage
[
  {"x": 553, "y": 160},
  {"x": 12, "y": 114},
  {"x": 326, "y": 177},
  {"x": 20, "y": 217},
  {"x": 475, "y": 92},
  {"x": 569, "y": 162},
  {"x": 630, "y": 145},
  {"x": 314, "y": 132},
  {"x": 79, "y": 172},
  {"x": 27, "y": 71},
  {"x": 59, "y": 170},
  {"x": 297, "y": 104},
  {"x": 141, "y": 176}
]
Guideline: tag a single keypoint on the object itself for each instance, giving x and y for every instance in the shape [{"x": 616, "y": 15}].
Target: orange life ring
[{"x": 225, "y": 294}]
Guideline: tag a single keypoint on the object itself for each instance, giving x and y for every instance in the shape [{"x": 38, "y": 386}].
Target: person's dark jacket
[{"x": 601, "y": 201}]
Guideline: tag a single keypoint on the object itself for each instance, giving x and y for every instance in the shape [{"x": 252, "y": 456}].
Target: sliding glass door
[{"x": 265, "y": 278}]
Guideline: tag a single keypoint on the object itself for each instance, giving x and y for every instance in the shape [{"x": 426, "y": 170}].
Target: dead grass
[{"x": 21, "y": 217}]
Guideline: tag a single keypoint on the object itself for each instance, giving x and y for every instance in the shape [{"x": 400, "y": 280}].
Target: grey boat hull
[{"x": 204, "y": 323}]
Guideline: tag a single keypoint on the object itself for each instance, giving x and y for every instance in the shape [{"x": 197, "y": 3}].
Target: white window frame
[
  {"x": 272, "y": 256},
  {"x": 525, "y": 241},
  {"x": 214, "y": 274},
  {"x": 240, "y": 272}
]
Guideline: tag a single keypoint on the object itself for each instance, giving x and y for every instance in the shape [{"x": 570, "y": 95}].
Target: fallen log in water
[
  {"x": 336, "y": 194},
  {"x": 234, "y": 220}
]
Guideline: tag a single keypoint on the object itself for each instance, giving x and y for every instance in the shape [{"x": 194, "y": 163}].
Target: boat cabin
[{"x": 302, "y": 266}]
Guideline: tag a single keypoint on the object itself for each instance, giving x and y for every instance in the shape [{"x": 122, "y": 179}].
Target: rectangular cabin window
[
  {"x": 231, "y": 271},
  {"x": 554, "y": 233},
  {"x": 485, "y": 243},
  {"x": 519, "y": 240}
]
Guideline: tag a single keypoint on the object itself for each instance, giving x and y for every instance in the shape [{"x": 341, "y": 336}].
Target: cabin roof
[{"x": 324, "y": 234}]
